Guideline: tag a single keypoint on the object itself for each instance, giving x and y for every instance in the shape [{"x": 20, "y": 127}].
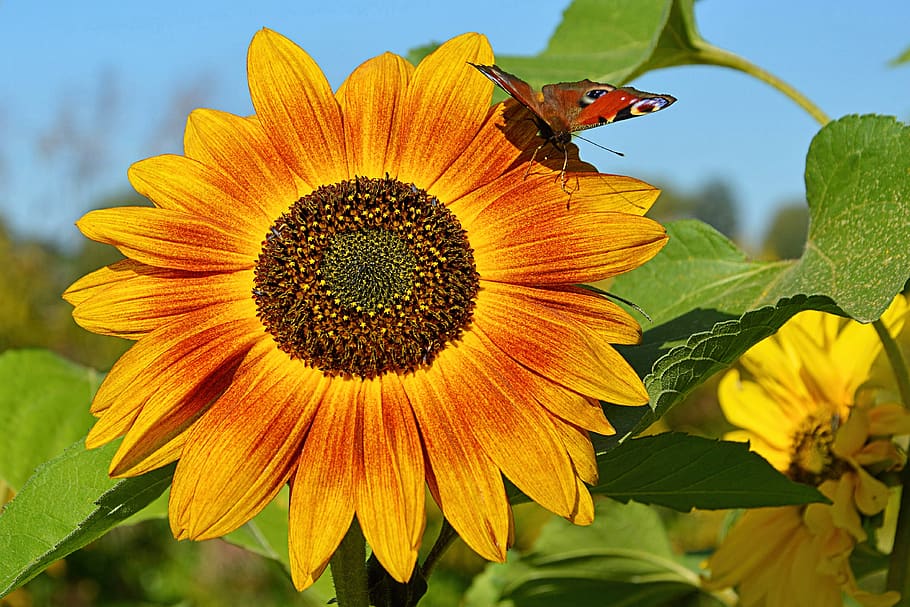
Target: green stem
[
  {"x": 898, "y": 574},
  {"x": 447, "y": 535},
  {"x": 896, "y": 359},
  {"x": 712, "y": 55},
  {"x": 349, "y": 569}
]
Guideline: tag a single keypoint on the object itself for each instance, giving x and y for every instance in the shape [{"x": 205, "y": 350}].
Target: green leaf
[
  {"x": 623, "y": 558},
  {"x": 44, "y": 407},
  {"x": 605, "y": 41},
  {"x": 267, "y": 533},
  {"x": 682, "y": 472},
  {"x": 66, "y": 504},
  {"x": 712, "y": 304}
]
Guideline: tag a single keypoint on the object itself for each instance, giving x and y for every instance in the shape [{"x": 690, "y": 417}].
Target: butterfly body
[{"x": 559, "y": 110}]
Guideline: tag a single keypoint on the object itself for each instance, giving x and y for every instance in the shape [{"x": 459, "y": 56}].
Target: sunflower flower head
[
  {"x": 806, "y": 404},
  {"x": 360, "y": 294}
]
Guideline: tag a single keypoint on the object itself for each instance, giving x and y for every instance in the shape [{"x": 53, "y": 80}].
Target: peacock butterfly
[{"x": 559, "y": 110}]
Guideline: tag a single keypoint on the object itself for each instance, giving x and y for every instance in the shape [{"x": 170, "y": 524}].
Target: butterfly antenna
[{"x": 597, "y": 145}]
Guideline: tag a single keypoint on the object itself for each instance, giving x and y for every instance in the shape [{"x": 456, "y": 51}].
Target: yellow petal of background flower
[
  {"x": 245, "y": 447},
  {"x": 531, "y": 333},
  {"x": 467, "y": 485},
  {"x": 390, "y": 494},
  {"x": 297, "y": 108},
  {"x": 322, "y": 490},
  {"x": 239, "y": 148},
  {"x": 372, "y": 102},
  {"x": 447, "y": 102},
  {"x": 171, "y": 239},
  {"x": 747, "y": 405},
  {"x": 558, "y": 247}
]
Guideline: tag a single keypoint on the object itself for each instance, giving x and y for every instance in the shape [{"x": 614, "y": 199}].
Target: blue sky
[{"x": 121, "y": 76}]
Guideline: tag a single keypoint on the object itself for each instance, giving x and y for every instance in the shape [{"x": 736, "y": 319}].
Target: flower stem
[
  {"x": 898, "y": 575},
  {"x": 716, "y": 56},
  {"x": 349, "y": 571},
  {"x": 445, "y": 538}
]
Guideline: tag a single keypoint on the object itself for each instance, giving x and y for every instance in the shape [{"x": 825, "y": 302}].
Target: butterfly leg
[{"x": 533, "y": 156}]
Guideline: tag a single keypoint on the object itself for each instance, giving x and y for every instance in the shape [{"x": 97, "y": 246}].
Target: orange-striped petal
[
  {"x": 372, "y": 102},
  {"x": 171, "y": 239},
  {"x": 503, "y": 145},
  {"x": 245, "y": 447},
  {"x": 240, "y": 150},
  {"x": 173, "y": 364},
  {"x": 447, "y": 102},
  {"x": 322, "y": 490},
  {"x": 531, "y": 334},
  {"x": 559, "y": 246},
  {"x": 139, "y": 299},
  {"x": 94, "y": 282},
  {"x": 518, "y": 438},
  {"x": 182, "y": 184},
  {"x": 466, "y": 484},
  {"x": 390, "y": 494},
  {"x": 295, "y": 103}
]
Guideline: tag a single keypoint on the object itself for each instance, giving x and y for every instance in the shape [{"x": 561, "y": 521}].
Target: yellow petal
[
  {"x": 467, "y": 485},
  {"x": 520, "y": 439},
  {"x": 245, "y": 447},
  {"x": 181, "y": 384},
  {"x": 137, "y": 301},
  {"x": 297, "y": 109},
  {"x": 447, "y": 102},
  {"x": 322, "y": 491},
  {"x": 239, "y": 148},
  {"x": 390, "y": 494},
  {"x": 182, "y": 184},
  {"x": 372, "y": 101},
  {"x": 533, "y": 334},
  {"x": 513, "y": 245},
  {"x": 171, "y": 239}
]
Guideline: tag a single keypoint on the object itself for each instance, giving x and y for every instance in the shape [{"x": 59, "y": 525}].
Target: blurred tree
[
  {"x": 32, "y": 313},
  {"x": 714, "y": 203},
  {"x": 787, "y": 231}
]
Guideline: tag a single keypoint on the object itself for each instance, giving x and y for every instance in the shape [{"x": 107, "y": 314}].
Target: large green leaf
[
  {"x": 624, "y": 558},
  {"x": 605, "y": 41},
  {"x": 682, "y": 472},
  {"x": 44, "y": 407},
  {"x": 713, "y": 304},
  {"x": 66, "y": 504}
]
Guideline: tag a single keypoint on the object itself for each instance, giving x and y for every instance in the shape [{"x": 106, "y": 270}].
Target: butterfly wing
[
  {"x": 603, "y": 104},
  {"x": 520, "y": 90}
]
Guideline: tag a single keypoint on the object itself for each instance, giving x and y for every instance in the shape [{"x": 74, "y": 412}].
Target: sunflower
[
  {"x": 807, "y": 406},
  {"x": 361, "y": 294}
]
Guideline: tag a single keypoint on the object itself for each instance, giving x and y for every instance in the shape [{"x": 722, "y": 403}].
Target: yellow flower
[
  {"x": 790, "y": 556},
  {"x": 359, "y": 293},
  {"x": 805, "y": 407}
]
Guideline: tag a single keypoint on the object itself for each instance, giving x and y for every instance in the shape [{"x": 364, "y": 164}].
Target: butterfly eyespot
[
  {"x": 646, "y": 106},
  {"x": 593, "y": 95}
]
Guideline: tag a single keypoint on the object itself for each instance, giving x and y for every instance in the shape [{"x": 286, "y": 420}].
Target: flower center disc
[
  {"x": 364, "y": 277},
  {"x": 812, "y": 458}
]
